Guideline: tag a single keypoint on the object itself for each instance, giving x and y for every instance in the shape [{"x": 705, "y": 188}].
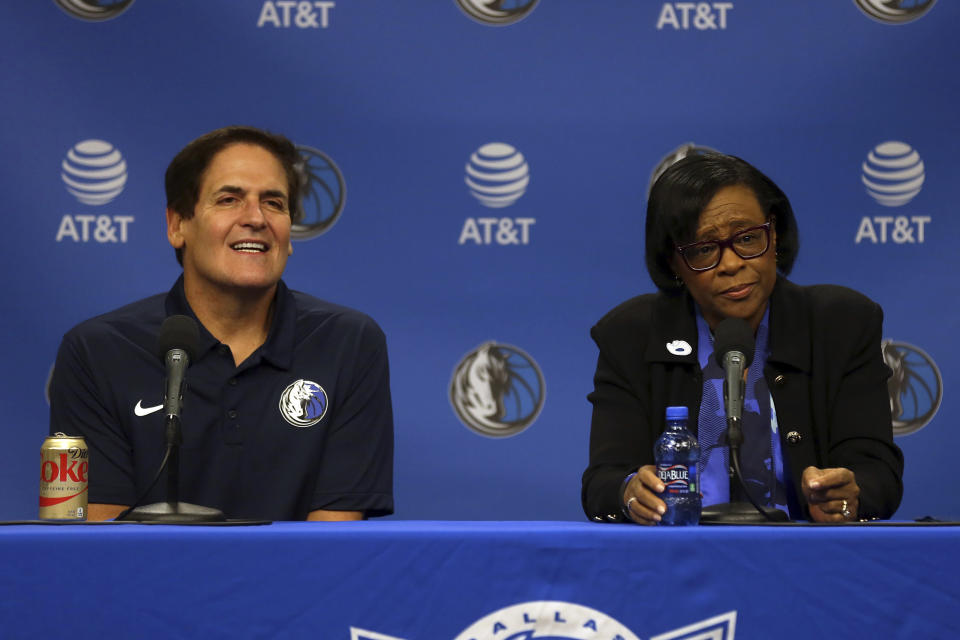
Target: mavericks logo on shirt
[{"x": 303, "y": 403}]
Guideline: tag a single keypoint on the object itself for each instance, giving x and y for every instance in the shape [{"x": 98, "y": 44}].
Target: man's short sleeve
[
  {"x": 79, "y": 405},
  {"x": 356, "y": 472}
]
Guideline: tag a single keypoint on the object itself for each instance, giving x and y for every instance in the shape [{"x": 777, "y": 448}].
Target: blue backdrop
[{"x": 558, "y": 119}]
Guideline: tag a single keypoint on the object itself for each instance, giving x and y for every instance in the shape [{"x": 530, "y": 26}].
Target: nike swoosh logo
[{"x": 145, "y": 411}]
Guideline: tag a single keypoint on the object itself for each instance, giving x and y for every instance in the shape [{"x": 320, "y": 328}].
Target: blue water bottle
[{"x": 676, "y": 454}]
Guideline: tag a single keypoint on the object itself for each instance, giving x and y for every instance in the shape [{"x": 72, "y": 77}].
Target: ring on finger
[
  {"x": 632, "y": 499},
  {"x": 844, "y": 511}
]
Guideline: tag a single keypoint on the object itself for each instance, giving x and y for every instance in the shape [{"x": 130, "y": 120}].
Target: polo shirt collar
[{"x": 279, "y": 347}]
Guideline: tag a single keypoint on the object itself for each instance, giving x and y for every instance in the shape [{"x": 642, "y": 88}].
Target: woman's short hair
[
  {"x": 186, "y": 171},
  {"x": 682, "y": 192}
]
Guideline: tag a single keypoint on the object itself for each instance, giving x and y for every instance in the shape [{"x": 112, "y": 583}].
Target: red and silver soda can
[{"x": 63, "y": 478}]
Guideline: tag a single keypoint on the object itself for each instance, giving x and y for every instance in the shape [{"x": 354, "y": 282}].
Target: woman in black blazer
[{"x": 720, "y": 239}]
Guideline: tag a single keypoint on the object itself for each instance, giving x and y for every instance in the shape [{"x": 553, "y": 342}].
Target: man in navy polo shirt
[{"x": 287, "y": 411}]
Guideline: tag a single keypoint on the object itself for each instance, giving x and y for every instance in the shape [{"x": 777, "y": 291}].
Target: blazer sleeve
[
  {"x": 621, "y": 439},
  {"x": 861, "y": 430}
]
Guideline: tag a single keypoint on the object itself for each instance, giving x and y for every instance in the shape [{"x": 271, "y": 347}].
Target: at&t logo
[
  {"x": 95, "y": 173},
  {"x": 324, "y": 194},
  {"x": 497, "y": 175},
  {"x": 895, "y": 11},
  {"x": 497, "y": 13},
  {"x": 300, "y": 14},
  {"x": 497, "y": 390},
  {"x": 893, "y": 175},
  {"x": 702, "y": 16},
  {"x": 94, "y": 10}
]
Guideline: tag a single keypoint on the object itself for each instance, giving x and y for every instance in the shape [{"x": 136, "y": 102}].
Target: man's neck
[{"x": 239, "y": 319}]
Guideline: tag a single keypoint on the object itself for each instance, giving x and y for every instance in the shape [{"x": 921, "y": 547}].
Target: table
[{"x": 417, "y": 580}]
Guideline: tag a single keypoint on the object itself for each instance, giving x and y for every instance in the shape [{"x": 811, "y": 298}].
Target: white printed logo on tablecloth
[{"x": 554, "y": 620}]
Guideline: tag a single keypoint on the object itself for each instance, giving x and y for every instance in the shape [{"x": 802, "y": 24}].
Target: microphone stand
[
  {"x": 739, "y": 512},
  {"x": 172, "y": 510}
]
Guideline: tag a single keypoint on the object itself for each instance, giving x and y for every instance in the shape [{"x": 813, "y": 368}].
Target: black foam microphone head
[
  {"x": 733, "y": 334},
  {"x": 179, "y": 332}
]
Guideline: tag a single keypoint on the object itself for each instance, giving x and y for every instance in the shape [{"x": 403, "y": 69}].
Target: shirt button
[
  {"x": 224, "y": 350},
  {"x": 233, "y": 382},
  {"x": 794, "y": 437},
  {"x": 231, "y": 414},
  {"x": 779, "y": 381}
]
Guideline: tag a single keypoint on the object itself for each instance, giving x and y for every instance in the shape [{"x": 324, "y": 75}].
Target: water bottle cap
[{"x": 677, "y": 413}]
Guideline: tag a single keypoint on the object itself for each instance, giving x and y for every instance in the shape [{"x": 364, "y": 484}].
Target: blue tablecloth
[{"x": 478, "y": 581}]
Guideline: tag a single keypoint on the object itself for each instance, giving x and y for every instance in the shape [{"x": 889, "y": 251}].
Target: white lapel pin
[{"x": 679, "y": 348}]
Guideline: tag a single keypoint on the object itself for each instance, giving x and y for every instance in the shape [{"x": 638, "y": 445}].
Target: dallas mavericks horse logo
[
  {"x": 94, "y": 10},
  {"x": 497, "y": 12},
  {"x": 303, "y": 403},
  {"x": 324, "y": 194},
  {"x": 678, "y": 154},
  {"x": 497, "y": 390},
  {"x": 916, "y": 387},
  {"x": 895, "y": 11}
]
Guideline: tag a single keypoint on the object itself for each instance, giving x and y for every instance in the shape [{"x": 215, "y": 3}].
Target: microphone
[
  {"x": 733, "y": 350},
  {"x": 177, "y": 345}
]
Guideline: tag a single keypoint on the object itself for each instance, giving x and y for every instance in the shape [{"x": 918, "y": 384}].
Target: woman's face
[{"x": 735, "y": 288}]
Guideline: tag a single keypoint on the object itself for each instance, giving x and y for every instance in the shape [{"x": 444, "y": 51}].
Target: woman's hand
[
  {"x": 833, "y": 494},
  {"x": 640, "y": 496}
]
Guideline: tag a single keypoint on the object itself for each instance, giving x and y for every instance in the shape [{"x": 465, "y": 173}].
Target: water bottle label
[{"x": 678, "y": 478}]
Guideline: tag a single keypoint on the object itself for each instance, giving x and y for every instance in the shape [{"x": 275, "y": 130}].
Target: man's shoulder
[
  {"x": 141, "y": 318},
  {"x": 313, "y": 313}
]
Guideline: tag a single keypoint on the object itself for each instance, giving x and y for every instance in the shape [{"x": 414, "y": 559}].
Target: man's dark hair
[
  {"x": 187, "y": 169},
  {"x": 682, "y": 192}
]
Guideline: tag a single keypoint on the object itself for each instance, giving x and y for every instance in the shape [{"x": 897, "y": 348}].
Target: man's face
[{"x": 239, "y": 236}]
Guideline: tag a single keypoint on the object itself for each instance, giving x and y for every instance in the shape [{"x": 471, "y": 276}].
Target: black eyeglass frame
[{"x": 726, "y": 244}]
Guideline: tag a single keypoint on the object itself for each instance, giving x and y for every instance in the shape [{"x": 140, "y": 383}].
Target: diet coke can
[{"x": 63, "y": 478}]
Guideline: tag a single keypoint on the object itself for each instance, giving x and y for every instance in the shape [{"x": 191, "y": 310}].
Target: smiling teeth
[{"x": 253, "y": 247}]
